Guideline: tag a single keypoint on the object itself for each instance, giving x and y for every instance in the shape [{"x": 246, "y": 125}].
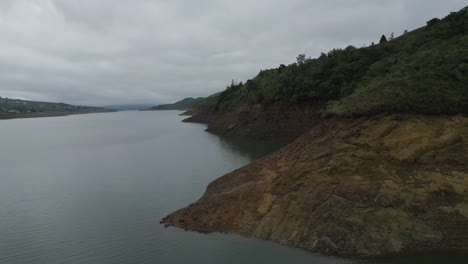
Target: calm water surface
[{"x": 93, "y": 188}]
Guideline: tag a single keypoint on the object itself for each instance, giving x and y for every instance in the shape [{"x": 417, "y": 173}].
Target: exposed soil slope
[
  {"x": 256, "y": 122},
  {"x": 351, "y": 187}
]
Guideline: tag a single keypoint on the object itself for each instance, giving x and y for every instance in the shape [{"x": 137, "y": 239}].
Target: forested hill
[
  {"x": 370, "y": 185},
  {"x": 423, "y": 71},
  {"x": 14, "y": 108},
  {"x": 180, "y": 105}
]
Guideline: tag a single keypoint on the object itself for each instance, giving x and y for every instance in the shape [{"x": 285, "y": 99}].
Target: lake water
[{"x": 93, "y": 188}]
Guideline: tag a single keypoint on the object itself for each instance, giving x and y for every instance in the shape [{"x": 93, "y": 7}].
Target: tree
[
  {"x": 281, "y": 67},
  {"x": 383, "y": 39},
  {"x": 234, "y": 83},
  {"x": 432, "y": 22},
  {"x": 301, "y": 58}
]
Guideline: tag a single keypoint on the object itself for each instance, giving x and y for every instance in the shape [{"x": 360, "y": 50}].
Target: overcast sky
[{"x": 99, "y": 52}]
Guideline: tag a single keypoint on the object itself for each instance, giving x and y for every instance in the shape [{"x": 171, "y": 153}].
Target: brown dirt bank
[
  {"x": 258, "y": 122},
  {"x": 349, "y": 187}
]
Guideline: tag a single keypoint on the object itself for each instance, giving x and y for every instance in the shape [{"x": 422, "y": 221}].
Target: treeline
[
  {"x": 180, "y": 105},
  {"x": 422, "y": 71}
]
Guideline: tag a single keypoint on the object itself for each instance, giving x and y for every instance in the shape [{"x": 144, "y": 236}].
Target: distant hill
[
  {"x": 128, "y": 107},
  {"x": 180, "y": 105},
  {"x": 17, "y": 108}
]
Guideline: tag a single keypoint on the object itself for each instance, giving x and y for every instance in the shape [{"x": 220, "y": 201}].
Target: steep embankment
[
  {"x": 254, "y": 121},
  {"x": 366, "y": 181},
  {"x": 423, "y": 71},
  {"x": 353, "y": 187}
]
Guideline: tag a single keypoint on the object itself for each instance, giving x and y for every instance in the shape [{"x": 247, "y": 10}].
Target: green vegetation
[
  {"x": 180, "y": 105},
  {"x": 187, "y": 103},
  {"x": 424, "y": 71},
  {"x": 208, "y": 102}
]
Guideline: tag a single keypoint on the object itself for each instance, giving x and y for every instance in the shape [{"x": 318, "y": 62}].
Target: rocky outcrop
[{"x": 349, "y": 187}]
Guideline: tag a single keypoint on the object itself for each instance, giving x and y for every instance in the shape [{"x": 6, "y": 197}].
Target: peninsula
[{"x": 379, "y": 164}]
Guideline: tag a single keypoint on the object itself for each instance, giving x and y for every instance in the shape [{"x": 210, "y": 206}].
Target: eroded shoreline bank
[{"x": 350, "y": 187}]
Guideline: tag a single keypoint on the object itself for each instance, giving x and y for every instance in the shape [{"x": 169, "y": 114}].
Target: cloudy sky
[{"x": 99, "y": 52}]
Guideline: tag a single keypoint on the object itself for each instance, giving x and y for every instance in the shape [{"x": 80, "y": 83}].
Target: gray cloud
[{"x": 140, "y": 51}]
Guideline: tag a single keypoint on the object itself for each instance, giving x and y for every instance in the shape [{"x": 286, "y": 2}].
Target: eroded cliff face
[
  {"x": 258, "y": 121},
  {"x": 349, "y": 187}
]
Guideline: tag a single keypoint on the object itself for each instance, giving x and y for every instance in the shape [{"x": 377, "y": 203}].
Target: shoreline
[
  {"x": 50, "y": 114},
  {"x": 260, "y": 190}
]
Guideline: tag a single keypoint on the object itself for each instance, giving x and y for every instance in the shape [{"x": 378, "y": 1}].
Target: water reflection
[
  {"x": 453, "y": 257},
  {"x": 251, "y": 148},
  {"x": 92, "y": 189}
]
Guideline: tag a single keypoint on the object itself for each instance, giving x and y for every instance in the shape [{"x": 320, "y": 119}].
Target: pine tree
[{"x": 383, "y": 39}]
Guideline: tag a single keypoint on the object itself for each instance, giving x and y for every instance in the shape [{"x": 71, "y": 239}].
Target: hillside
[
  {"x": 423, "y": 71},
  {"x": 180, "y": 105},
  {"x": 380, "y": 166},
  {"x": 16, "y": 108}
]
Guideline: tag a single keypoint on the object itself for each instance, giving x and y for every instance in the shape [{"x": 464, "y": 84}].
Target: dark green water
[{"x": 93, "y": 188}]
